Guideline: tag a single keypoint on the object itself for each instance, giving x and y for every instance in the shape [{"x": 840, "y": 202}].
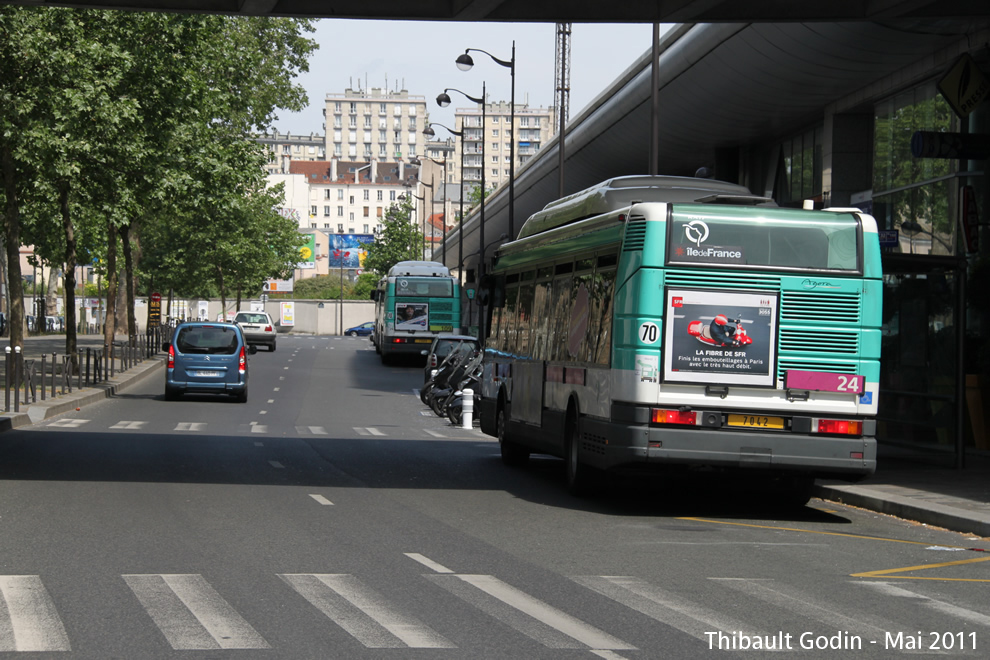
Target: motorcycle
[
  {"x": 703, "y": 332},
  {"x": 441, "y": 394},
  {"x": 455, "y": 403},
  {"x": 439, "y": 378}
]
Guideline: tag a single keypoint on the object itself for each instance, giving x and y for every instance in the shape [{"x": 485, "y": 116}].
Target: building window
[
  {"x": 340, "y": 228},
  {"x": 326, "y": 193},
  {"x": 326, "y": 225},
  {"x": 367, "y": 211},
  {"x": 382, "y": 108},
  {"x": 524, "y": 121},
  {"x": 494, "y": 146},
  {"x": 391, "y": 195},
  {"x": 338, "y": 149},
  {"x": 494, "y": 132},
  {"x": 336, "y": 106},
  {"x": 353, "y": 107},
  {"x": 366, "y": 229},
  {"x": 379, "y": 212},
  {"x": 312, "y": 210},
  {"x": 285, "y": 149},
  {"x": 350, "y": 217},
  {"x": 340, "y": 211},
  {"x": 366, "y": 195},
  {"x": 351, "y": 199},
  {"x": 536, "y": 122},
  {"x": 326, "y": 210},
  {"x": 340, "y": 193},
  {"x": 381, "y": 195}
]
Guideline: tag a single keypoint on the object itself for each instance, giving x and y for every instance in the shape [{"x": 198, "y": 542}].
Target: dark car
[
  {"x": 441, "y": 347},
  {"x": 363, "y": 330},
  {"x": 209, "y": 358}
]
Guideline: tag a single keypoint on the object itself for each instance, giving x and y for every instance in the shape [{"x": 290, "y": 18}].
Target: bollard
[
  {"x": 17, "y": 378},
  {"x": 43, "y": 378},
  {"x": 54, "y": 369},
  {"x": 467, "y": 401}
]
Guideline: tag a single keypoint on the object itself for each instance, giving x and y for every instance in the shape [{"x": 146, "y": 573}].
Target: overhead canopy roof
[{"x": 551, "y": 11}]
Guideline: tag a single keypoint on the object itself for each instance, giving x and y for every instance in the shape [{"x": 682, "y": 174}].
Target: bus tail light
[
  {"x": 661, "y": 416},
  {"x": 171, "y": 357},
  {"x": 838, "y": 426}
]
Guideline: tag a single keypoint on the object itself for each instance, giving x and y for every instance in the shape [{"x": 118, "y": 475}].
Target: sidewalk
[
  {"x": 906, "y": 485},
  {"x": 913, "y": 486},
  {"x": 33, "y": 413}
]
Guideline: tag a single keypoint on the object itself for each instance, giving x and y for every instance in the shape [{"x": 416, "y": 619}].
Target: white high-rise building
[{"x": 379, "y": 124}]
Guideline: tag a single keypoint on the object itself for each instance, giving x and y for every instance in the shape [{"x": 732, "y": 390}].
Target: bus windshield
[
  {"x": 775, "y": 238},
  {"x": 424, "y": 287}
]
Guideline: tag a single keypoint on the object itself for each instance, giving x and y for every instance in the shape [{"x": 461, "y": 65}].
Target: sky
[{"x": 418, "y": 56}]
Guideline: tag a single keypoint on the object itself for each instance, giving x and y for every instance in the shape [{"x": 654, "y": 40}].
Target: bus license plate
[
  {"x": 423, "y": 341},
  {"x": 756, "y": 421}
]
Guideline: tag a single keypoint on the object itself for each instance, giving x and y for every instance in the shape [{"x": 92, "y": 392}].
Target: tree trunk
[
  {"x": 12, "y": 237},
  {"x": 125, "y": 236},
  {"x": 238, "y": 307},
  {"x": 70, "y": 276},
  {"x": 223, "y": 295},
  {"x": 110, "y": 326}
]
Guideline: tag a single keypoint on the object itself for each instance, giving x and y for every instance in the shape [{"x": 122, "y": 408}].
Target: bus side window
[
  {"x": 524, "y": 318},
  {"x": 601, "y": 305},
  {"x": 507, "y": 320},
  {"x": 541, "y": 322},
  {"x": 561, "y": 317}
]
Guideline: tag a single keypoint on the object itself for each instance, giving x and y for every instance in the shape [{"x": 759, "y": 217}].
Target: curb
[
  {"x": 37, "y": 412},
  {"x": 931, "y": 513}
]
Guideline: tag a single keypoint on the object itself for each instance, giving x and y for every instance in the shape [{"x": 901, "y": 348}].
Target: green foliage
[
  {"x": 399, "y": 240},
  {"x": 327, "y": 287}
]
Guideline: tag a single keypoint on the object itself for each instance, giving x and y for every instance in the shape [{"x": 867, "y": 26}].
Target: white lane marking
[
  {"x": 31, "y": 622},
  {"x": 363, "y": 613},
  {"x": 415, "y": 392},
  {"x": 191, "y": 614},
  {"x": 435, "y": 434},
  {"x": 276, "y": 465},
  {"x": 946, "y": 608},
  {"x": 429, "y": 563},
  {"x": 259, "y": 428},
  {"x": 271, "y": 400},
  {"x": 532, "y": 617},
  {"x": 368, "y": 431},
  {"x": 128, "y": 425},
  {"x": 426, "y": 413},
  {"x": 285, "y": 368},
  {"x": 275, "y": 390},
  {"x": 190, "y": 426},
  {"x": 312, "y": 430},
  {"x": 262, "y": 412},
  {"x": 799, "y": 603},
  {"x": 608, "y": 655},
  {"x": 322, "y": 500},
  {"x": 69, "y": 423},
  {"x": 661, "y": 605}
]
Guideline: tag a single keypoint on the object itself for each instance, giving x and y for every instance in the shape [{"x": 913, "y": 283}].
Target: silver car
[{"x": 258, "y": 328}]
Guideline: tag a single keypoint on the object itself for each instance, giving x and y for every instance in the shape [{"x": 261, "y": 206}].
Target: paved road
[{"x": 333, "y": 516}]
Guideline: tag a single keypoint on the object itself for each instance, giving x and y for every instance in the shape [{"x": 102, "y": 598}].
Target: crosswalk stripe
[
  {"x": 190, "y": 426},
  {"x": 31, "y": 622},
  {"x": 128, "y": 425},
  {"x": 368, "y": 431},
  {"x": 312, "y": 430},
  {"x": 528, "y": 615},
  {"x": 191, "y": 614},
  {"x": 946, "y": 608},
  {"x": 259, "y": 428},
  {"x": 363, "y": 613},
  {"x": 662, "y": 605},
  {"x": 768, "y": 592},
  {"x": 69, "y": 423}
]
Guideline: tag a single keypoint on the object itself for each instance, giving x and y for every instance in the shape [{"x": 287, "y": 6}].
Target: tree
[{"x": 399, "y": 240}]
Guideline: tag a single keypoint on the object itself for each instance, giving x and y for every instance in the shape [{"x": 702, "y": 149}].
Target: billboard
[
  {"x": 307, "y": 252},
  {"x": 411, "y": 316},
  {"x": 346, "y": 251},
  {"x": 720, "y": 337}
]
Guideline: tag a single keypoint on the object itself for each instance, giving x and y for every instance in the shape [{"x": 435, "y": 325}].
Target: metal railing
[{"x": 39, "y": 376}]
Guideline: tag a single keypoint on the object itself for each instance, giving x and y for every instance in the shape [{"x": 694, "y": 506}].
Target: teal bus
[
  {"x": 415, "y": 302},
  {"x": 671, "y": 323}
]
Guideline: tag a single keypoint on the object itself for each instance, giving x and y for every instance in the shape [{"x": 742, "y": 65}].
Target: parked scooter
[
  {"x": 442, "y": 393},
  {"x": 438, "y": 381},
  {"x": 472, "y": 381}
]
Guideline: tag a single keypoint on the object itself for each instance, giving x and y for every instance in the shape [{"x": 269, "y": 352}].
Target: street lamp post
[
  {"x": 423, "y": 219},
  {"x": 443, "y": 228},
  {"x": 443, "y": 100},
  {"x": 430, "y": 133},
  {"x": 464, "y": 63}
]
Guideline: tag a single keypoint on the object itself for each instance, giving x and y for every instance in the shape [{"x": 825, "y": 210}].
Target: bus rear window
[
  {"x": 764, "y": 237},
  {"x": 424, "y": 287}
]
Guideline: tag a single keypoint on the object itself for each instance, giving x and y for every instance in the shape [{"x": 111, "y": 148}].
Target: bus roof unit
[
  {"x": 623, "y": 191},
  {"x": 419, "y": 268}
]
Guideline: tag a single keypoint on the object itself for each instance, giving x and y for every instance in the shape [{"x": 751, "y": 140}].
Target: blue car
[
  {"x": 363, "y": 330},
  {"x": 207, "y": 358}
]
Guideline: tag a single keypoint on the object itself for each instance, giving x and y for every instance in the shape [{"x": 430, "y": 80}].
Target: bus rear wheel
[
  {"x": 580, "y": 477},
  {"x": 513, "y": 455}
]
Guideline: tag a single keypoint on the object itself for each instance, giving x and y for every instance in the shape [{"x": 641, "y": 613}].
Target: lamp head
[
  {"x": 443, "y": 99},
  {"x": 429, "y": 132},
  {"x": 464, "y": 62}
]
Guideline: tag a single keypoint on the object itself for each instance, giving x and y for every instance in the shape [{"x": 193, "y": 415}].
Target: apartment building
[
  {"x": 533, "y": 127},
  {"x": 376, "y": 123},
  {"x": 285, "y": 147}
]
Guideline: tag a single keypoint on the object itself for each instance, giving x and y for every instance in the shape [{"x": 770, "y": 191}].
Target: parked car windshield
[{"x": 207, "y": 339}]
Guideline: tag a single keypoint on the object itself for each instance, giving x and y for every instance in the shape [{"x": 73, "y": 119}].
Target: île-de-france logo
[{"x": 696, "y": 231}]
